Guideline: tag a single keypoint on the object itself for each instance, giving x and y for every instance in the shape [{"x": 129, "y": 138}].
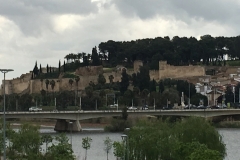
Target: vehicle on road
[
  {"x": 201, "y": 107},
  {"x": 34, "y": 109},
  {"x": 132, "y": 108},
  {"x": 191, "y": 107},
  {"x": 113, "y": 105},
  {"x": 145, "y": 107}
]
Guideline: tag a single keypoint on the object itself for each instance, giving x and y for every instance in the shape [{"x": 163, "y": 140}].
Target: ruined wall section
[
  {"x": 36, "y": 86},
  {"x": 20, "y": 87},
  {"x": 89, "y": 70},
  {"x": 154, "y": 74},
  {"x": 168, "y": 71},
  {"x": 136, "y": 65},
  {"x": 17, "y": 85}
]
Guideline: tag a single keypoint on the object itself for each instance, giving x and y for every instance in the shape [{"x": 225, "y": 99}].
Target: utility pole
[
  {"x": 154, "y": 103},
  {"x": 189, "y": 95},
  {"x": 80, "y": 103},
  {"x": 239, "y": 95},
  {"x": 4, "y": 71}
]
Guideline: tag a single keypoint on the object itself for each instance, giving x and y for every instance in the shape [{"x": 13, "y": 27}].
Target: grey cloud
[
  {"x": 25, "y": 7},
  {"x": 218, "y": 10},
  {"x": 33, "y": 16}
]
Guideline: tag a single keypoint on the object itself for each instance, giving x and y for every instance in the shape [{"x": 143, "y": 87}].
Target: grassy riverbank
[
  {"x": 227, "y": 124},
  {"x": 43, "y": 123}
]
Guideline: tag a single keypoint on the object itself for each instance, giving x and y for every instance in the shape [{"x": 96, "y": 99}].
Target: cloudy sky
[{"x": 47, "y": 30}]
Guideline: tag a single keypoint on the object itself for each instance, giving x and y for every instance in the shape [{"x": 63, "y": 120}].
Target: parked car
[
  {"x": 145, "y": 107},
  {"x": 201, "y": 107},
  {"x": 35, "y": 109},
  {"x": 167, "y": 107},
  {"x": 113, "y": 105},
  {"x": 132, "y": 108},
  {"x": 214, "y": 107},
  {"x": 191, "y": 107}
]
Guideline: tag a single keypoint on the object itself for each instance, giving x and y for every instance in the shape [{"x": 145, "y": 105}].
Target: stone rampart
[
  {"x": 136, "y": 65},
  {"x": 168, "y": 71},
  {"x": 154, "y": 74},
  {"x": 89, "y": 70},
  {"x": 19, "y": 87}
]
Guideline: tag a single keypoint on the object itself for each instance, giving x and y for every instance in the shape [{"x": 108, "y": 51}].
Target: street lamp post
[
  {"x": 238, "y": 95},
  {"x": 126, "y": 144},
  {"x": 71, "y": 125},
  {"x": 189, "y": 95},
  {"x": 4, "y": 71},
  {"x": 154, "y": 103}
]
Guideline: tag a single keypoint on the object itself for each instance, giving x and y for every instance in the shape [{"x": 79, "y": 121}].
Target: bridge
[{"x": 63, "y": 117}]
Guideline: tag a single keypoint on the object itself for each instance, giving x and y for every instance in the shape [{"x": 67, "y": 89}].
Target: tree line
[
  {"x": 190, "y": 139},
  {"x": 177, "y": 51}
]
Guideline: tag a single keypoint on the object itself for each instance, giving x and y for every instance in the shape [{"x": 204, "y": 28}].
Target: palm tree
[
  {"x": 41, "y": 83},
  {"x": 47, "y": 83},
  {"x": 79, "y": 56},
  {"x": 111, "y": 78},
  {"x": 76, "y": 80},
  {"x": 52, "y": 83},
  {"x": 70, "y": 82},
  {"x": 67, "y": 57}
]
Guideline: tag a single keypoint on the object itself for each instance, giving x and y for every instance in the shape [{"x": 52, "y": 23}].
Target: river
[{"x": 230, "y": 138}]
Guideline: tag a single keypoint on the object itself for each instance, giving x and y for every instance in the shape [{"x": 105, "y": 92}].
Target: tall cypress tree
[
  {"x": 143, "y": 78},
  {"x": 47, "y": 68},
  {"x": 59, "y": 66},
  {"x": 124, "y": 81},
  {"x": 64, "y": 69},
  {"x": 95, "y": 57},
  {"x": 40, "y": 70}
]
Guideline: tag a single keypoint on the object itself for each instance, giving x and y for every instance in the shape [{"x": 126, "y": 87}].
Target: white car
[
  {"x": 132, "y": 108},
  {"x": 35, "y": 109},
  {"x": 113, "y": 105}
]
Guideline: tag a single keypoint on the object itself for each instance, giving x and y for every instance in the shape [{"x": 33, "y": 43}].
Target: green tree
[
  {"x": 89, "y": 91},
  {"x": 25, "y": 143},
  {"x": 111, "y": 79},
  {"x": 170, "y": 94},
  {"x": 86, "y": 144},
  {"x": 143, "y": 78},
  {"x": 59, "y": 67},
  {"x": 101, "y": 79},
  {"x": 124, "y": 81},
  {"x": 186, "y": 139},
  {"x": 124, "y": 113},
  {"x": 60, "y": 151},
  {"x": 95, "y": 57},
  {"x": 107, "y": 145},
  {"x": 52, "y": 83},
  {"x": 118, "y": 149},
  {"x": 47, "y": 139},
  {"x": 70, "y": 81},
  {"x": 47, "y": 83}
]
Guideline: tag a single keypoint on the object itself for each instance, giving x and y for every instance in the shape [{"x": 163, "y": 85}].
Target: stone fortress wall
[
  {"x": 168, "y": 71},
  {"x": 24, "y": 84}
]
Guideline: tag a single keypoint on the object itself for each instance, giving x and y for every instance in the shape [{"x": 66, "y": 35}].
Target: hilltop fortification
[{"x": 24, "y": 83}]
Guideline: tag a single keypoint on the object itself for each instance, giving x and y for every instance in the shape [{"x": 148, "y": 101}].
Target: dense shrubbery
[
  {"x": 26, "y": 144},
  {"x": 188, "y": 139}
]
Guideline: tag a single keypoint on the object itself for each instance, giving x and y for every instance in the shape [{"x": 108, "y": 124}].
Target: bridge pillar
[
  {"x": 63, "y": 126},
  {"x": 74, "y": 127}
]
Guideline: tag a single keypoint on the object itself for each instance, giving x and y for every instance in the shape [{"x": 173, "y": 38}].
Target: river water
[{"x": 231, "y": 138}]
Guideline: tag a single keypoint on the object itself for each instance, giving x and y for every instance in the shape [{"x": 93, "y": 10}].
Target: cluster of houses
[{"x": 215, "y": 86}]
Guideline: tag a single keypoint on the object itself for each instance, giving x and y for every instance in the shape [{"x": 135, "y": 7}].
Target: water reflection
[
  {"x": 97, "y": 146},
  {"x": 230, "y": 138},
  {"x": 232, "y": 141}
]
